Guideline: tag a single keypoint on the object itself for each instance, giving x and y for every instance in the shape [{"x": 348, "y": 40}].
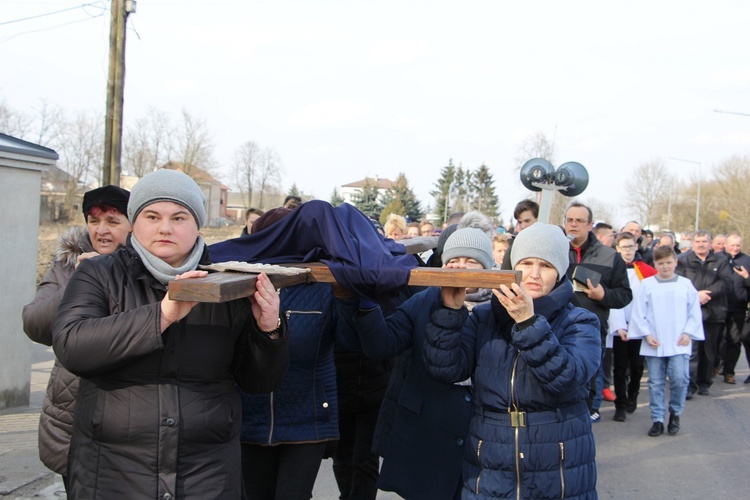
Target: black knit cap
[{"x": 112, "y": 196}]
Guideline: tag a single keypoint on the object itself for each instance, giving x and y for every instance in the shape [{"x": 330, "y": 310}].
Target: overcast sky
[{"x": 344, "y": 89}]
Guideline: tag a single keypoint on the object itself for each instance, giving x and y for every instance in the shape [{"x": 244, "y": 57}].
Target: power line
[
  {"x": 50, "y": 13},
  {"x": 49, "y": 28}
]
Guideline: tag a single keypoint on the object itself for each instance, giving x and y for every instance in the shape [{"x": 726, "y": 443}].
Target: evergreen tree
[
  {"x": 402, "y": 193},
  {"x": 336, "y": 198},
  {"x": 394, "y": 207},
  {"x": 462, "y": 189},
  {"x": 484, "y": 198},
  {"x": 368, "y": 199},
  {"x": 294, "y": 191},
  {"x": 444, "y": 191}
]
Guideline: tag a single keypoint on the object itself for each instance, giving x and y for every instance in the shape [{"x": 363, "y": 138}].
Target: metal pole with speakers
[{"x": 570, "y": 179}]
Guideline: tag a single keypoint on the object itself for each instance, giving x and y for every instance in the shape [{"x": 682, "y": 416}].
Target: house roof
[
  {"x": 197, "y": 174},
  {"x": 11, "y": 144},
  {"x": 380, "y": 183},
  {"x": 56, "y": 180}
]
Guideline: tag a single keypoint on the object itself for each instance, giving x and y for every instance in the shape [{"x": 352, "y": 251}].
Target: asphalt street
[{"x": 708, "y": 459}]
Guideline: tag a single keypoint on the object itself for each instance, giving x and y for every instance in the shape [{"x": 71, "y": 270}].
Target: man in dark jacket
[
  {"x": 710, "y": 275},
  {"x": 739, "y": 264},
  {"x": 612, "y": 291}
]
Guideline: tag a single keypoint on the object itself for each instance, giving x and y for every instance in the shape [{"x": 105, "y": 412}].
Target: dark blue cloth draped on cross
[{"x": 343, "y": 238}]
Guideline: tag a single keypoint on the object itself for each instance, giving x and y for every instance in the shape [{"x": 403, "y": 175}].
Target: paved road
[{"x": 708, "y": 459}]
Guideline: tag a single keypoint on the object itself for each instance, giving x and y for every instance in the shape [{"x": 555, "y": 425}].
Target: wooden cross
[{"x": 225, "y": 286}]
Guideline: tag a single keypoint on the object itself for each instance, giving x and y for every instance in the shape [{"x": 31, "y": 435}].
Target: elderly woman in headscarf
[
  {"x": 530, "y": 354},
  {"x": 158, "y": 413},
  {"x": 107, "y": 227}
]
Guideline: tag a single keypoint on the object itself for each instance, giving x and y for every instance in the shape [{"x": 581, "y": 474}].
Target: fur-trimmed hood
[{"x": 71, "y": 244}]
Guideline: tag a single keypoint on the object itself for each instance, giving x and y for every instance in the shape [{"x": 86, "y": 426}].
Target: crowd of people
[{"x": 429, "y": 392}]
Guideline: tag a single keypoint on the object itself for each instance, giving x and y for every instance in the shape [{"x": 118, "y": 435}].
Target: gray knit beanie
[
  {"x": 469, "y": 242},
  {"x": 167, "y": 185},
  {"x": 542, "y": 241}
]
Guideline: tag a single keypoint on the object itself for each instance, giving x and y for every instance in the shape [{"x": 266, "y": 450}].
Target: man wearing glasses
[{"x": 612, "y": 291}]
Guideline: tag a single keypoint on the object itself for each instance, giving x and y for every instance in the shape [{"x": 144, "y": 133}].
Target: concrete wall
[{"x": 20, "y": 183}]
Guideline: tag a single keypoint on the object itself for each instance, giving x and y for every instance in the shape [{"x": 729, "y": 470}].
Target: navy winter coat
[
  {"x": 422, "y": 423},
  {"x": 304, "y": 407},
  {"x": 530, "y": 435}
]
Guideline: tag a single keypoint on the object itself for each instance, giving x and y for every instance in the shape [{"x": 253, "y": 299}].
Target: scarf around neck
[{"x": 162, "y": 271}]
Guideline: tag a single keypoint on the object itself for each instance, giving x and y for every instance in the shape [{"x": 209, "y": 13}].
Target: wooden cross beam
[{"x": 225, "y": 286}]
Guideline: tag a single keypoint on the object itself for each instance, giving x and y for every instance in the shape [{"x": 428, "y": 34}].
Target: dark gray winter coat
[{"x": 56, "y": 420}]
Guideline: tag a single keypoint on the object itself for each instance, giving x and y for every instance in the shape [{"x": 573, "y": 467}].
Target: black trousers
[
  {"x": 282, "y": 472},
  {"x": 736, "y": 334},
  {"x": 355, "y": 466},
  {"x": 627, "y": 356},
  {"x": 704, "y": 355}
]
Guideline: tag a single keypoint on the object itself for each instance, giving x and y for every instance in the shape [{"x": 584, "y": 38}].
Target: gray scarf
[{"x": 163, "y": 271}]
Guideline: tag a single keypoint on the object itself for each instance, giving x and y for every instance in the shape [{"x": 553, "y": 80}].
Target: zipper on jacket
[
  {"x": 289, "y": 312},
  {"x": 271, "y": 423},
  {"x": 479, "y": 461},
  {"x": 517, "y": 420},
  {"x": 562, "y": 476}
]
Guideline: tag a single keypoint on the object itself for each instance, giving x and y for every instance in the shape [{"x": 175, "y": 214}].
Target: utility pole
[{"x": 120, "y": 9}]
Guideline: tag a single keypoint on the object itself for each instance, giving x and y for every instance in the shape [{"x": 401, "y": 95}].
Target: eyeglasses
[
  {"x": 626, "y": 247},
  {"x": 576, "y": 221}
]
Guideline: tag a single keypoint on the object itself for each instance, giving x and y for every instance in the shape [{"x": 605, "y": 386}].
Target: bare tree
[
  {"x": 81, "y": 152},
  {"x": 14, "y": 122},
  {"x": 602, "y": 212},
  {"x": 268, "y": 173},
  {"x": 648, "y": 188},
  {"x": 194, "y": 145},
  {"x": 136, "y": 154},
  {"x": 49, "y": 120},
  {"x": 42, "y": 127},
  {"x": 724, "y": 206},
  {"x": 148, "y": 143},
  {"x": 537, "y": 145},
  {"x": 247, "y": 159}
]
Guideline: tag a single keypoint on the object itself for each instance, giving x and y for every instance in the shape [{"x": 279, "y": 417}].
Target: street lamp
[{"x": 698, "y": 196}]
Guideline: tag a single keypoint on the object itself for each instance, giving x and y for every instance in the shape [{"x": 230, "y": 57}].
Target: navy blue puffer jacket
[
  {"x": 530, "y": 435},
  {"x": 304, "y": 407}
]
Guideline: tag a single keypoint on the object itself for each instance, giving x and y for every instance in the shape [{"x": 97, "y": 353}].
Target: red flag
[{"x": 643, "y": 270}]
